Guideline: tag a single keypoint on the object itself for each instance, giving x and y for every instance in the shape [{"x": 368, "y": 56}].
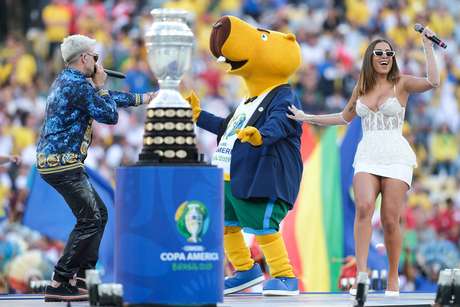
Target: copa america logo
[{"x": 192, "y": 220}]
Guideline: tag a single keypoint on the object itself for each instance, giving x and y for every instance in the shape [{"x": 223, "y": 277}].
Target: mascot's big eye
[{"x": 264, "y": 37}]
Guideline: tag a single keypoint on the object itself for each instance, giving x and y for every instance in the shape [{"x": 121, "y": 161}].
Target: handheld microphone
[
  {"x": 419, "y": 28},
  {"x": 115, "y": 74}
]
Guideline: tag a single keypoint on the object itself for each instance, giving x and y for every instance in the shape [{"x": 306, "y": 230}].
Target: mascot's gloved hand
[
  {"x": 250, "y": 135},
  {"x": 194, "y": 102}
]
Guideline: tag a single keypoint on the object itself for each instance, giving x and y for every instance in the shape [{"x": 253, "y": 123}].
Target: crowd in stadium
[{"x": 332, "y": 35}]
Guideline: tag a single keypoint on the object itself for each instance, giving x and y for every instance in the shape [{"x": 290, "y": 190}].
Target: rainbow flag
[{"x": 313, "y": 231}]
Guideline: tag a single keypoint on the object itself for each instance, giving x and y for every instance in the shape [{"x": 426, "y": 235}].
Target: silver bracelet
[{"x": 343, "y": 119}]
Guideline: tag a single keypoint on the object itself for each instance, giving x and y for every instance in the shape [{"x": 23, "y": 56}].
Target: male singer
[{"x": 76, "y": 98}]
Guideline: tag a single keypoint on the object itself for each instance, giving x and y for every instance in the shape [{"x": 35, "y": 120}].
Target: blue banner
[
  {"x": 169, "y": 234},
  {"x": 47, "y": 212}
]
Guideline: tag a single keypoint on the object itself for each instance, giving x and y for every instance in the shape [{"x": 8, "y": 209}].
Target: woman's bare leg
[
  {"x": 366, "y": 187},
  {"x": 393, "y": 197}
]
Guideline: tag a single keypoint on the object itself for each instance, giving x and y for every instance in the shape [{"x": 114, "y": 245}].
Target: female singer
[{"x": 384, "y": 161}]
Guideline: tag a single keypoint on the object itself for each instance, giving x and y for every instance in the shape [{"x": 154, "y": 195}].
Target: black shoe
[
  {"x": 64, "y": 293},
  {"x": 81, "y": 285}
]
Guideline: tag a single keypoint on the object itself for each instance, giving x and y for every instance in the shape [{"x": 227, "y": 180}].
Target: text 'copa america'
[{"x": 193, "y": 256}]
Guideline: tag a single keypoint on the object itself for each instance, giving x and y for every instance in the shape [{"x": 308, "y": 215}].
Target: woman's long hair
[{"x": 367, "y": 77}]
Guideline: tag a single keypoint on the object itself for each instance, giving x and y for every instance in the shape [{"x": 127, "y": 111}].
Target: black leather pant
[{"x": 82, "y": 248}]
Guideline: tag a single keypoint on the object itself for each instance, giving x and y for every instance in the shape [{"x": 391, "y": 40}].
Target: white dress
[{"x": 383, "y": 150}]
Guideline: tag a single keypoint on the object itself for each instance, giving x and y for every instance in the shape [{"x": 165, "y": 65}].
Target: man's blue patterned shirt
[{"x": 72, "y": 105}]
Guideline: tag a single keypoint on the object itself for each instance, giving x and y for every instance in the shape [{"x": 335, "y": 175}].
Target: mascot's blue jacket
[{"x": 273, "y": 169}]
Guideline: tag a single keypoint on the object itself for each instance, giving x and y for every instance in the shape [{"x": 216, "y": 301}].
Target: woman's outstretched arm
[{"x": 342, "y": 118}]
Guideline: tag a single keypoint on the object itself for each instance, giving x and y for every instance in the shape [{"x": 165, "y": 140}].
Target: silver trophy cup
[
  {"x": 169, "y": 44},
  {"x": 169, "y": 135}
]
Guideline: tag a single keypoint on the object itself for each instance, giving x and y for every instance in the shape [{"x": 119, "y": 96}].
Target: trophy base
[
  {"x": 170, "y": 156},
  {"x": 171, "y": 162},
  {"x": 169, "y": 137}
]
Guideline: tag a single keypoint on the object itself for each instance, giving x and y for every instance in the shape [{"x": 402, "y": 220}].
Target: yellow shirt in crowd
[
  {"x": 26, "y": 68},
  {"x": 442, "y": 24},
  {"x": 357, "y": 12},
  {"x": 22, "y": 136},
  {"x": 444, "y": 147},
  {"x": 57, "y": 20}
]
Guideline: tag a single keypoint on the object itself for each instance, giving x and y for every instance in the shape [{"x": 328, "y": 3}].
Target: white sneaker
[{"x": 353, "y": 291}]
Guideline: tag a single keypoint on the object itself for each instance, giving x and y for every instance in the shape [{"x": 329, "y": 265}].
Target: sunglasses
[
  {"x": 95, "y": 56},
  {"x": 388, "y": 53}
]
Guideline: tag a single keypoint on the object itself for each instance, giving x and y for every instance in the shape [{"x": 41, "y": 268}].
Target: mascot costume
[{"x": 258, "y": 149}]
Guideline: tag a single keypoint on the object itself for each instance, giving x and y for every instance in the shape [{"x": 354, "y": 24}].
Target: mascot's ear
[{"x": 290, "y": 36}]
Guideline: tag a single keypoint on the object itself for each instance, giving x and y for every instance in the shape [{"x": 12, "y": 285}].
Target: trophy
[
  {"x": 169, "y": 135},
  {"x": 194, "y": 223}
]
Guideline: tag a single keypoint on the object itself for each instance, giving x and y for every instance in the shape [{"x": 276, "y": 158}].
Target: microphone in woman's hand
[
  {"x": 115, "y": 74},
  {"x": 419, "y": 28}
]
